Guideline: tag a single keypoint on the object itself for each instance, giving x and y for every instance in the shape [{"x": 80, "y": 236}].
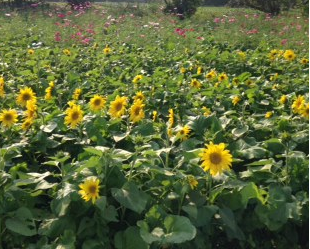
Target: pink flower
[
  {"x": 253, "y": 31},
  {"x": 61, "y": 15},
  {"x": 284, "y": 41},
  {"x": 216, "y": 20},
  {"x": 231, "y": 20},
  {"x": 57, "y": 37}
]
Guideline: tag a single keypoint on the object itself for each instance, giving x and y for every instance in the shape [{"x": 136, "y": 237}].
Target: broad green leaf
[
  {"x": 250, "y": 191},
  {"x": 22, "y": 227},
  {"x": 231, "y": 227},
  {"x": 238, "y": 132},
  {"x": 130, "y": 239}
]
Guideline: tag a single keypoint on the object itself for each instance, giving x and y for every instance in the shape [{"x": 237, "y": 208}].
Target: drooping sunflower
[
  {"x": 74, "y": 116},
  {"x": 193, "y": 183},
  {"x": 118, "y": 107},
  {"x": 215, "y": 158},
  {"x": 206, "y": 111},
  {"x": 77, "y": 93},
  {"x": 283, "y": 99},
  {"x": 171, "y": 118},
  {"x": 298, "y": 104},
  {"x": 289, "y": 55},
  {"x": 305, "y": 111},
  {"x": 25, "y": 95},
  {"x": 97, "y": 103},
  {"x": 199, "y": 70},
  {"x": 183, "y": 133},
  {"x": 137, "y": 78},
  {"x": 8, "y": 117},
  {"x": 27, "y": 123},
  {"x": 139, "y": 95},
  {"x": 136, "y": 111},
  {"x": 2, "y": 91},
  {"x": 268, "y": 114},
  {"x": 90, "y": 189},
  {"x": 155, "y": 115},
  {"x": 49, "y": 90}
]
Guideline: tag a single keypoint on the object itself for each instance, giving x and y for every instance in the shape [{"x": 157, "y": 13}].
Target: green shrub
[{"x": 182, "y": 8}]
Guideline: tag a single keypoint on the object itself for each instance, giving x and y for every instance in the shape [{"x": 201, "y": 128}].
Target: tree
[{"x": 183, "y": 8}]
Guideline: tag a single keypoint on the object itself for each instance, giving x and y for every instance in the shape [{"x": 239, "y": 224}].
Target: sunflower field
[{"x": 122, "y": 127}]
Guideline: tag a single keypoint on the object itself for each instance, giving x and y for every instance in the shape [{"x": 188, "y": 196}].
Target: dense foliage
[
  {"x": 183, "y": 8},
  {"x": 150, "y": 132}
]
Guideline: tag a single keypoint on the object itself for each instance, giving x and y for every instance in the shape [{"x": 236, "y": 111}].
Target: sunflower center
[
  {"x": 118, "y": 107},
  {"x": 26, "y": 96},
  {"x": 215, "y": 158},
  {"x": 75, "y": 115},
  {"x": 97, "y": 102},
  {"x": 137, "y": 111},
  {"x": 182, "y": 132},
  {"x": 92, "y": 189},
  {"x": 8, "y": 117}
]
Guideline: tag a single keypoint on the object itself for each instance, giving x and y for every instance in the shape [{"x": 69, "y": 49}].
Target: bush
[{"x": 182, "y": 8}]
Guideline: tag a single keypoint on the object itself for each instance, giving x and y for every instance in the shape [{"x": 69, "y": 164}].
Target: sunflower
[
  {"x": 268, "y": 114},
  {"x": 298, "y": 104},
  {"x": 77, "y": 93},
  {"x": 118, "y": 107},
  {"x": 90, "y": 189},
  {"x": 30, "y": 51},
  {"x": 137, "y": 78},
  {"x": 199, "y": 70},
  {"x": 195, "y": 83},
  {"x": 107, "y": 50},
  {"x": 66, "y": 52},
  {"x": 211, "y": 75},
  {"x": 283, "y": 99},
  {"x": 235, "y": 81},
  {"x": 242, "y": 55},
  {"x": 49, "y": 90},
  {"x": 27, "y": 123},
  {"x": 155, "y": 115},
  {"x": 192, "y": 181},
  {"x": 25, "y": 95},
  {"x": 183, "y": 133},
  {"x": 206, "y": 111},
  {"x": 139, "y": 95},
  {"x": 136, "y": 111},
  {"x": 222, "y": 77},
  {"x": 171, "y": 118},
  {"x": 74, "y": 116},
  {"x": 97, "y": 103},
  {"x": 2, "y": 91},
  {"x": 304, "y": 61},
  {"x": 305, "y": 111},
  {"x": 31, "y": 108},
  {"x": 289, "y": 55},
  {"x": 8, "y": 117},
  {"x": 216, "y": 158},
  {"x": 183, "y": 70},
  {"x": 236, "y": 100}
]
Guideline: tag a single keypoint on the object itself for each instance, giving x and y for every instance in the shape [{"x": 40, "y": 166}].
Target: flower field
[{"x": 122, "y": 127}]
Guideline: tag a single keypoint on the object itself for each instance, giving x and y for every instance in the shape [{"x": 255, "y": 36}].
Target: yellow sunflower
[
  {"x": 304, "y": 61},
  {"x": 195, "y": 83},
  {"x": 171, "y": 118},
  {"x": 77, "y": 93},
  {"x": 183, "y": 133},
  {"x": 30, "y": 51},
  {"x": 137, "y": 78},
  {"x": 183, "y": 70},
  {"x": 289, "y": 55},
  {"x": 236, "y": 100},
  {"x": 215, "y": 158},
  {"x": 2, "y": 91},
  {"x": 136, "y": 111},
  {"x": 66, "y": 52},
  {"x": 222, "y": 77},
  {"x": 206, "y": 111},
  {"x": 25, "y": 95},
  {"x": 49, "y": 90},
  {"x": 305, "y": 111},
  {"x": 74, "y": 116},
  {"x": 118, "y": 107},
  {"x": 139, "y": 95},
  {"x": 155, "y": 115},
  {"x": 107, "y": 50},
  {"x": 193, "y": 183},
  {"x": 97, "y": 103},
  {"x": 27, "y": 123},
  {"x": 90, "y": 189},
  {"x": 199, "y": 70},
  {"x": 8, "y": 117},
  {"x": 283, "y": 99},
  {"x": 235, "y": 81},
  {"x": 242, "y": 55},
  {"x": 211, "y": 75},
  {"x": 298, "y": 104},
  {"x": 268, "y": 114}
]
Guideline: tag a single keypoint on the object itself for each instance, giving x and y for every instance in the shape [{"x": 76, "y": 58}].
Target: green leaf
[
  {"x": 130, "y": 197},
  {"x": 98, "y": 150},
  {"x": 250, "y": 191},
  {"x": 238, "y": 132},
  {"x": 275, "y": 146},
  {"x": 101, "y": 203},
  {"x": 21, "y": 227},
  {"x": 230, "y": 224},
  {"x": 130, "y": 239}
]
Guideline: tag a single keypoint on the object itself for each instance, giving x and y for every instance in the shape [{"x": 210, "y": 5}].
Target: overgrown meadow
[{"x": 125, "y": 128}]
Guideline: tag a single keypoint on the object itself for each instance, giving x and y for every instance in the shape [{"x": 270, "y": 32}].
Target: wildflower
[
  {"x": 268, "y": 114},
  {"x": 139, "y": 95},
  {"x": 183, "y": 133},
  {"x": 155, "y": 115},
  {"x": 236, "y": 100},
  {"x": 304, "y": 61},
  {"x": 171, "y": 118},
  {"x": 222, "y": 77},
  {"x": 283, "y": 99},
  {"x": 74, "y": 116},
  {"x": 2, "y": 91},
  {"x": 25, "y": 95},
  {"x": 193, "y": 183},
  {"x": 298, "y": 104},
  {"x": 77, "y": 93},
  {"x": 107, "y": 50},
  {"x": 8, "y": 117},
  {"x": 118, "y": 107},
  {"x": 66, "y": 52},
  {"x": 196, "y": 83},
  {"x": 211, "y": 75},
  {"x": 215, "y": 158},
  {"x": 136, "y": 111},
  {"x": 30, "y": 51},
  {"x": 207, "y": 111},
  {"x": 90, "y": 189},
  {"x": 289, "y": 55},
  {"x": 137, "y": 78},
  {"x": 97, "y": 103}
]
